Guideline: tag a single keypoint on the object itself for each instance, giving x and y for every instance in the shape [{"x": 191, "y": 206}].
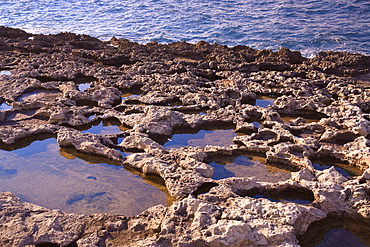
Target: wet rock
[{"x": 88, "y": 143}]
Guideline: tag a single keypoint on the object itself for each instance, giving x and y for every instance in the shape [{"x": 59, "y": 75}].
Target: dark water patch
[
  {"x": 319, "y": 167},
  {"x": 39, "y": 94},
  {"x": 302, "y": 118},
  {"x": 246, "y": 166},
  {"x": 77, "y": 183},
  {"x": 220, "y": 171},
  {"x": 46, "y": 244},
  {"x": 257, "y": 124},
  {"x": 7, "y": 173},
  {"x": 289, "y": 194},
  {"x": 175, "y": 102},
  {"x": 343, "y": 168},
  {"x": 191, "y": 110},
  {"x": 266, "y": 135},
  {"x": 131, "y": 93},
  {"x": 4, "y": 106},
  {"x": 281, "y": 199},
  {"x": 204, "y": 188},
  {"x": 128, "y": 96},
  {"x": 91, "y": 117},
  {"x": 264, "y": 101},
  {"x": 133, "y": 111},
  {"x": 82, "y": 79},
  {"x": 208, "y": 74},
  {"x": 86, "y": 102},
  {"x": 120, "y": 139},
  {"x": 49, "y": 79},
  {"x": 132, "y": 100},
  {"x": 341, "y": 238},
  {"x": 89, "y": 198},
  {"x": 336, "y": 231},
  {"x": 34, "y": 148},
  {"x": 284, "y": 167},
  {"x": 202, "y": 138},
  {"x": 105, "y": 127},
  {"x": 125, "y": 154},
  {"x": 29, "y": 146}
]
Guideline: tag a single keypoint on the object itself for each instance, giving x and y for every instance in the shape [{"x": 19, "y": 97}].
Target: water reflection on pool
[
  {"x": 264, "y": 101},
  {"x": 340, "y": 237},
  {"x": 344, "y": 169},
  {"x": 4, "y": 106},
  {"x": 5, "y": 72},
  {"x": 336, "y": 231},
  {"x": 243, "y": 166},
  {"x": 46, "y": 175},
  {"x": 83, "y": 86},
  {"x": 106, "y": 127},
  {"x": 202, "y": 138}
]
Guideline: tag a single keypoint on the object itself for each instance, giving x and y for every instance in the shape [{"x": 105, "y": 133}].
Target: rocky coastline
[{"x": 320, "y": 111}]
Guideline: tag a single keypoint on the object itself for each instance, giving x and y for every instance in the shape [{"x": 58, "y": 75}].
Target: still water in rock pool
[
  {"x": 340, "y": 237},
  {"x": 5, "y": 72},
  {"x": 106, "y": 127},
  {"x": 344, "y": 169},
  {"x": 56, "y": 178},
  {"x": 202, "y": 138},
  {"x": 264, "y": 101},
  {"x": 83, "y": 86},
  {"x": 243, "y": 166},
  {"x": 4, "y": 106}
]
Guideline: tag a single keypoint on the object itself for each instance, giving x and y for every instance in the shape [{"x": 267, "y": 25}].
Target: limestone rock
[{"x": 320, "y": 113}]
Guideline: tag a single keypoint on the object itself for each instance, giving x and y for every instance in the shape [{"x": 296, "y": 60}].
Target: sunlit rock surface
[{"x": 179, "y": 107}]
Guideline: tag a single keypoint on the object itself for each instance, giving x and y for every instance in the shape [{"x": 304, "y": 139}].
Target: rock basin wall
[{"x": 170, "y": 86}]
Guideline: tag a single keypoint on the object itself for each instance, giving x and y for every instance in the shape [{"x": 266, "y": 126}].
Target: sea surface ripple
[{"x": 309, "y": 26}]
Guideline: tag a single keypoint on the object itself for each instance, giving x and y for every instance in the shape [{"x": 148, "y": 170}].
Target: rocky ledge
[{"x": 320, "y": 111}]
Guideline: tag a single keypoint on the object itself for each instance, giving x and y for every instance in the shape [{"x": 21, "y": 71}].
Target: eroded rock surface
[{"x": 57, "y": 85}]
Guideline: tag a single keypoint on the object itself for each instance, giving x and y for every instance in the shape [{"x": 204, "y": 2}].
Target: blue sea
[{"x": 309, "y": 26}]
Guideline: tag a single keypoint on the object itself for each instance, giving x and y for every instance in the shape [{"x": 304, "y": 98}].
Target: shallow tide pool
[
  {"x": 106, "y": 127},
  {"x": 44, "y": 174},
  {"x": 243, "y": 166},
  {"x": 264, "y": 101},
  {"x": 202, "y": 138}
]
